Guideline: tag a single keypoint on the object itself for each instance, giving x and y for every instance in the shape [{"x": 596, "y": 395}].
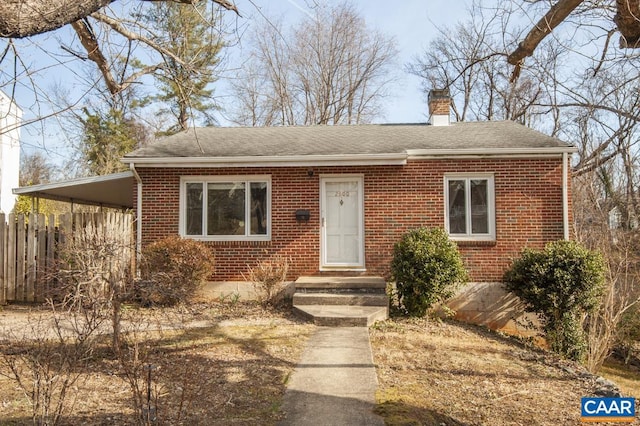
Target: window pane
[
  {"x": 194, "y": 209},
  {"x": 259, "y": 213},
  {"x": 479, "y": 211},
  {"x": 225, "y": 209},
  {"x": 457, "y": 207}
]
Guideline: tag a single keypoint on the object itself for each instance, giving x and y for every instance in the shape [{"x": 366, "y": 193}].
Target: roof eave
[
  {"x": 72, "y": 182},
  {"x": 345, "y": 160},
  {"x": 416, "y": 154},
  {"x": 271, "y": 161}
]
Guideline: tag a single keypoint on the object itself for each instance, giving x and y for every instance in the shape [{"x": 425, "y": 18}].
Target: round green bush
[
  {"x": 560, "y": 284},
  {"x": 427, "y": 269},
  {"x": 172, "y": 270}
]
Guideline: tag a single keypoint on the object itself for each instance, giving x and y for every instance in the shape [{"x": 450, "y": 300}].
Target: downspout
[
  {"x": 139, "y": 217},
  {"x": 565, "y": 195}
]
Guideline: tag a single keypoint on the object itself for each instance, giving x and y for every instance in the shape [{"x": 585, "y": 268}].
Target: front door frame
[{"x": 359, "y": 179}]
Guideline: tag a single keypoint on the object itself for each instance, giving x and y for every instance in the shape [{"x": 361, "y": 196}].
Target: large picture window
[
  {"x": 470, "y": 207},
  {"x": 226, "y": 208}
]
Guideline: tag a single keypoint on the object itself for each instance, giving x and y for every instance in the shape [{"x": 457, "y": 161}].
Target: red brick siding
[{"x": 528, "y": 196}]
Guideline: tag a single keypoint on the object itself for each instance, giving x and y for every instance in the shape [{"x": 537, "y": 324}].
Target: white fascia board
[
  {"x": 71, "y": 182},
  {"x": 282, "y": 161},
  {"x": 417, "y": 154}
]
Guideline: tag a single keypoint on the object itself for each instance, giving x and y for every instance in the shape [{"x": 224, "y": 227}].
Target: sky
[{"x": 413, "y": 23}]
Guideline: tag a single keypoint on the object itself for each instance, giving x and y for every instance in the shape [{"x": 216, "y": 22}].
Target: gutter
[
  {"x": 272, "y": 161},
  {"x": 132, "y": 167},
  {"x": 419, "y": 154}
]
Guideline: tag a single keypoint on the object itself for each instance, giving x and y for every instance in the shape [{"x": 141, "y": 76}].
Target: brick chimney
[{"x": 439, "y": 107}]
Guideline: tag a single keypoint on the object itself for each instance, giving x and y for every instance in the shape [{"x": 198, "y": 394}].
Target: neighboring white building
[{"x": 10, "y": 116}]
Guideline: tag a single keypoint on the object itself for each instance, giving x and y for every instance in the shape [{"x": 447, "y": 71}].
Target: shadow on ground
[
  {"x": 400, "y": 414},
  {"x": 313, "y": 409}
]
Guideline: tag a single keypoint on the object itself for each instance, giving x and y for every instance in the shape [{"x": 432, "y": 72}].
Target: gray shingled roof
[{"x": 367, "y": 139}]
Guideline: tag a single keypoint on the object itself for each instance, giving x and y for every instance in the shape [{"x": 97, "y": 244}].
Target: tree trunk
[
  {"x": 24, "y": 18},
  {"x": 628, "y": 22},
  {"x": 115, "y": 322}
]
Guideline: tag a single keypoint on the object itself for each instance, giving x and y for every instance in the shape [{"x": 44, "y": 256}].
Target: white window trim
[
  {"x": 223, "y": 178},
  {"x": 491, "y": 207}
]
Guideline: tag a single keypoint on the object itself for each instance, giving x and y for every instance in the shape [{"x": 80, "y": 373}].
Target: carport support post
[{"x": 138, "y": 217}]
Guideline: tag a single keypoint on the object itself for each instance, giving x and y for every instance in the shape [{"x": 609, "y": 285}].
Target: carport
[{"x": 113, "y": 191}]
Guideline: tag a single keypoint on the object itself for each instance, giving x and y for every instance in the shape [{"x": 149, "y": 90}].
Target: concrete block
[{"x": 489, "y": 304}]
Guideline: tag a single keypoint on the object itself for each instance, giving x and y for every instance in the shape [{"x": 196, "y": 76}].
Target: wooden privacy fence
[{"x": 30, "y": 246}]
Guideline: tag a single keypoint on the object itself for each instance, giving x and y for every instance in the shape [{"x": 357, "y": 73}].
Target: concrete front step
[
  {"x": 342, "y": 301},
  {"x": 319, "y": 284},
  {"x": 349, "y": 299},
  {"x": 343, "y": 316}
]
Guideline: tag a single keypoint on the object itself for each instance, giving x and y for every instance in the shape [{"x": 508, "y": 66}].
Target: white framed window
[
  {"x": 225, "y": 208},
  {"x": 470, "y": 206}
]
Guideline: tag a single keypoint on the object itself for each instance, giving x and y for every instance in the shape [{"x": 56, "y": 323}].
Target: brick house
[{"x": 334, "y": 199}]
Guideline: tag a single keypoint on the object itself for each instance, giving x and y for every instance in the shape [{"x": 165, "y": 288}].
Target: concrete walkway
[{"x": 335, "y": 381}]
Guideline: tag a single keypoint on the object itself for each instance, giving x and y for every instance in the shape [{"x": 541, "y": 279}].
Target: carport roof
[{"x": 114, "y": 190}]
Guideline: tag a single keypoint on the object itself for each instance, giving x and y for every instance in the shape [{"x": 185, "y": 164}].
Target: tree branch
[
  {"x": 543, "y": 28},
  {"x": 617, "y": 111},
  {"x": 90, "y": 43},
  {"x": 25, "y": 18},
  {"x": 115, "y": 25},
  {"x": 136, "y": 75},
  {"x": 604, "y": 52}
]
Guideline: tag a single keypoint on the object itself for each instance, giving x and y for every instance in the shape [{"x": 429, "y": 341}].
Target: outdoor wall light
[
  {"x": 310, "y": 172},
  {"x": 302, "y": 215}
]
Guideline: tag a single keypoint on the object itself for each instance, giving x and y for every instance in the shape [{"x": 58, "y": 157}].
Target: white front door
[{"x": 341, "y": 205}]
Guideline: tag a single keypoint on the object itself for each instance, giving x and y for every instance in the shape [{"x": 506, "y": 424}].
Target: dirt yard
[{"x": 228, "y": 364}]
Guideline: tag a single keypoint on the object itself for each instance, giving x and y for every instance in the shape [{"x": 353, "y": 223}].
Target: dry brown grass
[
  {"x": 225, "y": 364},
  {"x": 434, "y": 373},
  {"x": 626, "y": 377},
  {"x": 231, "y": 368}
]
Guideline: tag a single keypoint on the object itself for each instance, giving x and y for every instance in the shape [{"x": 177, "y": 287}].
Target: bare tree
[
  {"x": 331, "y": 69},
  {"x": 264, "y": 86},
  {"x": 474, "y": 70},
  {"x": 599, "y": 229},
  {"x": 610, "y": 141},
  {"x": 35, "y": 169}
]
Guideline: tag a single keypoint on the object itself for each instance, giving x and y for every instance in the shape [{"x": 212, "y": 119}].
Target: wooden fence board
[
  {"x": 64, "y": 227},
  {"x": 41, "y": 257},
  {"x": 50, "y": 260},
  {"x": 11, "y": 258},
  {"x": 29, "y": 248},
  {"x": 31, "y": 224},
  {"x": 20, "y": 258},
  {"x": 3, "y": 260}
]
